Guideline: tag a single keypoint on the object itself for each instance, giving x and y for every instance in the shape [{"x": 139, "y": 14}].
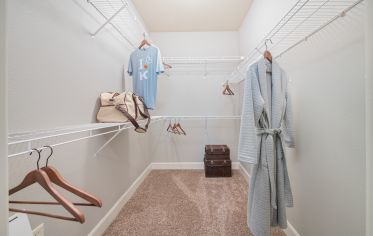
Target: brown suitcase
[
  {"x": 217, "y": 152},
  {"x": 218, "y": 168}
]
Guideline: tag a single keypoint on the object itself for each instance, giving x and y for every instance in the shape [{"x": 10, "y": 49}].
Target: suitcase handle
[{"x": 212, "y": 149}]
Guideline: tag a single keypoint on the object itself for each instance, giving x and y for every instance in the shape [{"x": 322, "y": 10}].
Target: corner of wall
[{"x": 3, "y": 124}]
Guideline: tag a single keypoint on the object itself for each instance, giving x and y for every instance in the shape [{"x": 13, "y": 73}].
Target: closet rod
[
  {"x": 118, "y": 128},
  {"x": 63, "y": 143},
  {"x": 202, "y": 117},
  {"x": 203, "y": 60}
]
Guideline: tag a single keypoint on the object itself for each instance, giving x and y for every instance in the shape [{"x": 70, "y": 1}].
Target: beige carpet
[{"x": 183, "y": 203}]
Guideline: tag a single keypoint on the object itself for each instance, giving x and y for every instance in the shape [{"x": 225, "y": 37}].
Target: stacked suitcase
[{"x": 217, "y": 161}]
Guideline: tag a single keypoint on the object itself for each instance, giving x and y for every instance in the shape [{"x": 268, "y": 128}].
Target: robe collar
[{"x": 277, "y": 91}]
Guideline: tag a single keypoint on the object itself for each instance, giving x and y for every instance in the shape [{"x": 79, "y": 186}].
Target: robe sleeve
[
  {"x": 288, "y": 119},
  {"x": 247, "y": 148}
]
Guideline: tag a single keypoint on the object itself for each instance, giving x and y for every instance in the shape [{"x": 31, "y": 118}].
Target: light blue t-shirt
[{"x": 144, "y": 66}]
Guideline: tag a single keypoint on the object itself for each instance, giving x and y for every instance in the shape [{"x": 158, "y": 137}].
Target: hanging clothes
[
  {"x": 265, "y": 126},
  {"x": 144, "y": 66}
]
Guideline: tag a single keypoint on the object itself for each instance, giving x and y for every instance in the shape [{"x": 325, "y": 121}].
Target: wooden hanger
[
  {"x": 57, "y": 179},
  {"x": 178, "y": 126},
  {"x": 167, "y": 66},
  {"x": 267, "y": 54},
  {"x": 227, "y": 90},
  {"x": 169, "y": 128},
  {"x": 41, "y": 177},
  {"x": 144, "y": 42},
  {"x": 175, "y": 129}
]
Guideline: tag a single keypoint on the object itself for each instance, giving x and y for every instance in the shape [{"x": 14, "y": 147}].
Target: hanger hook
[
  {"x": 47, "y": 146},
  {"x": 38, "y": 151},
  {"x": 265, "y": 43}
]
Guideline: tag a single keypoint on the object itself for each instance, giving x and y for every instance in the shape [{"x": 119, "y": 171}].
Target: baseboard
[
  {"x": 290, "y": 231},
  {"x": 110, "y": 216},
  {"x": 185, "y": 165},
  {"x": 244, "y": 172}
]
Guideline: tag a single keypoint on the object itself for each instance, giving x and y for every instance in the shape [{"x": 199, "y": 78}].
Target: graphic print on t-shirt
[{"x": 143, "y": 67}]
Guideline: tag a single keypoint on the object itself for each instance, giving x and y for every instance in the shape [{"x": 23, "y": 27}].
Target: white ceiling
[{"x": 192, "y": 15}]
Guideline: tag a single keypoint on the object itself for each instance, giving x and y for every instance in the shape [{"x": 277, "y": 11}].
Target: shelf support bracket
[{"x": 109, "y": 141}]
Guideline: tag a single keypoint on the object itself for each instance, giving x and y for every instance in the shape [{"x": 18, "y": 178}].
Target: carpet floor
[{"x": 185, "y": 203}]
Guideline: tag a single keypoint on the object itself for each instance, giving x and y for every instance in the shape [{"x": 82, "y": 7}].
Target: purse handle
[{"x": 146, "y": 114}]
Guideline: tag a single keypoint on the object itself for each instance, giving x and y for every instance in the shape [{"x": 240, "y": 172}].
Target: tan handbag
[{"x": 123, "y": 107}]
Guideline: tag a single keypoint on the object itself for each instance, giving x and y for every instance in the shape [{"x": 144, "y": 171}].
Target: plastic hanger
[{"x": 41, "y": 177}]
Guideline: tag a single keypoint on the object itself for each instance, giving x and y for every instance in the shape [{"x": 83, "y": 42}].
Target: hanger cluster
[
  {"x": 176, "y": 129},
  {"x": 227, "y": 90},
  {"x": 47, "y": 176}
]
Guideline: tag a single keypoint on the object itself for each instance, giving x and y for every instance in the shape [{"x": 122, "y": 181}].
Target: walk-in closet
[{"x": 186, "y": 118}]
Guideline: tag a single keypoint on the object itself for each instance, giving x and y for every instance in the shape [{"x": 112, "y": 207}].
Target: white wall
[
  {"x": 369, "y": 114},
  {"x": 327, "y": 168},
  {"x": 56, "y": 73},
  {"x": 3, "y": 128},
  {"x": 261, "y": 18},
  {"x": 185, "y": 92}
]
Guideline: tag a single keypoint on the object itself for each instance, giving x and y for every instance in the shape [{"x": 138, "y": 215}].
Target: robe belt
[
  {"x": 271, "y": 137},
  {"x": 277, "y": 131}
]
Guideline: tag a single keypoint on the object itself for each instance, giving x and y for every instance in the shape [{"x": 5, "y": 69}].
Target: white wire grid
[
  {"x": 202, "y": 66},
  {"x": 304, "y": 19},
  {"x": 22, "y": 143},
  {"x": 124, "y": 21},
  {"x": 203, "y": 60}
]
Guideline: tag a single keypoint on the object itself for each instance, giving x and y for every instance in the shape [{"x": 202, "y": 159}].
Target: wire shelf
[
  {"x": 22, "y": 143},
  {"x": 121, "y": 17},
  {"x": 305, "y": 18},
  {"x": 203, "y": 60}
]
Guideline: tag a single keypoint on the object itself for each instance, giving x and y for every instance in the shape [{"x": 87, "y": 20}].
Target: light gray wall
[
  {"x": 56, "y": 73},
  {"x": 3, "y": 127},
  {"x": 369, "y": 114},
  {"x": 186, "y": 93},
  {"x": 327, "y": 168}
]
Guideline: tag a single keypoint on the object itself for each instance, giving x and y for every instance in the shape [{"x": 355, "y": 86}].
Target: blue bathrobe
[{"x": 266, "y": 125}]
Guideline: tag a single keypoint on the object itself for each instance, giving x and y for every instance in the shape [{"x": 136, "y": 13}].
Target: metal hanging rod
[
  {"x": 304, "y": 19},
  {"x": 86, "y": 131},
  {"x": 202, "y": 117},
  {"x": 203, "y": 60}
]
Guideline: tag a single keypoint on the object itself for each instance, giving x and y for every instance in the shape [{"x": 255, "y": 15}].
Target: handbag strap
[
  {"x": 144, "y": 114},
  {"x": 131, "y": 119}
]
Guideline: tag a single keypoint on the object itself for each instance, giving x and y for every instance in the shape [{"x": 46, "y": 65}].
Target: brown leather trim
[
  {"x": 129, "y": 117},
  {"x": 146, "y": 112}
]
